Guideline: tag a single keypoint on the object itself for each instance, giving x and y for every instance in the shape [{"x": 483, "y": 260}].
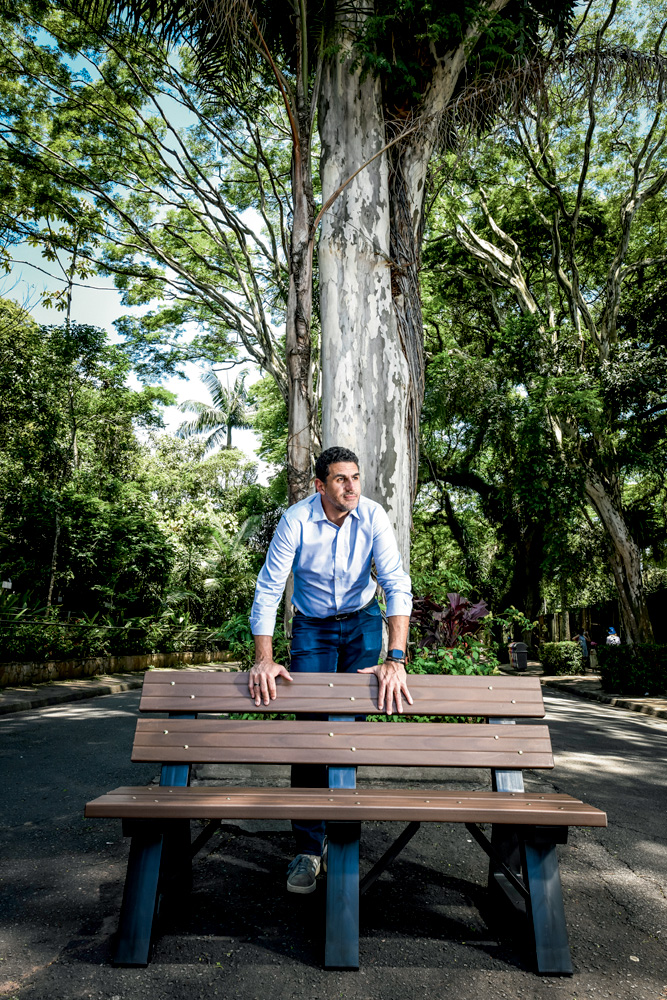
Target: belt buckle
[{"x": 339, "y": 618}]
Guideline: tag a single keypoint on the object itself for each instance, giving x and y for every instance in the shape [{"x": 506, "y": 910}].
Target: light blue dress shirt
[{"x": 332, "y": 565}]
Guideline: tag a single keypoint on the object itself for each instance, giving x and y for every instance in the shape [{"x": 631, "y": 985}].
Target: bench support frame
[{"x": 160, "y": 861}]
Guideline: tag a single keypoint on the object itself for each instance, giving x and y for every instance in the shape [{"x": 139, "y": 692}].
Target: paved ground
[{"x": 425, "y": 927}]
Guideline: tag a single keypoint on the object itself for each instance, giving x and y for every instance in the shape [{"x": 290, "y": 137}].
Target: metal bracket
[{"x": 488, "y": 848}]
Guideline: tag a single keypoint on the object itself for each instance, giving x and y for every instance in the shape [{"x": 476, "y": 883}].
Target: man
[{"x": 329, "y": 540}]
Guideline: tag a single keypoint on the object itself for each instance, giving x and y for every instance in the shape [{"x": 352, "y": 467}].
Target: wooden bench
[{"x": 525, "y": 827}]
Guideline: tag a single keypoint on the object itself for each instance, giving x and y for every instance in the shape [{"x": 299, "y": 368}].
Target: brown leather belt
[{"x": 338, "y": 618}]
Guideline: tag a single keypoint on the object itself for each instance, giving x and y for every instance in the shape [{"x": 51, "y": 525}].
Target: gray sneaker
[{"x": 302, "y": 872}]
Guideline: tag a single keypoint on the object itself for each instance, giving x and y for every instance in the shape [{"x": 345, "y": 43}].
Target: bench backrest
[
  {"x": 344, "y": 694},
  {"x": 338, "y": 740}
]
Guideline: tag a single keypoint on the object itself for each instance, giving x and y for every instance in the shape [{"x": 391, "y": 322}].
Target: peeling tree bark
[
  {"x": 372, "y": 332},
  {"x": 365, "y": 375}
]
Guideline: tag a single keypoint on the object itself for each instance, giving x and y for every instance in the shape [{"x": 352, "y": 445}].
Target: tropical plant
[
  {"x": 445, "y": 627},
  {"x": 228, "y": 409}
]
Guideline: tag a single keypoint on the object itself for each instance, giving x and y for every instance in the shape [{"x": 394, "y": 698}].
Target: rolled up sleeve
[
  {"x": 391, "y": 576},
  {"x": 272, "y": 578}
]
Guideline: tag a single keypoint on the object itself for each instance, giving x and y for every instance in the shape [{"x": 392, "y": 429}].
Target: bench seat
[{"x": 435, "y": 806}]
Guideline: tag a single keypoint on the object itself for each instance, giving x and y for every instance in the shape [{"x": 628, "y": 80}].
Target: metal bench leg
[
  {"x": 137, "y": 914},
  {"x": 545, "y": 905},
  {"x": 342, "y": 934}
]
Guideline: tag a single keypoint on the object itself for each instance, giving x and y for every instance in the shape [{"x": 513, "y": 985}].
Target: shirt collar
[{"x": 318, "y": 510}]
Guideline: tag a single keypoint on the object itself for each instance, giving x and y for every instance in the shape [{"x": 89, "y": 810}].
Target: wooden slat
[
  {"x": 336, "y": 743},
  {"x": 193, "y": 691},
  {"x": 522, "y": 808}
]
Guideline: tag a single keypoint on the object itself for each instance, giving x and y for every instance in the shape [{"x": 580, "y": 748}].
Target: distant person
[
  {"x": 585, "y": 650},
  {"x": 612, "y": 637}
]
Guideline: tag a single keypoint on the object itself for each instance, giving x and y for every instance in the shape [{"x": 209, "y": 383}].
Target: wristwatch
[{"x": 396, "y": 654}]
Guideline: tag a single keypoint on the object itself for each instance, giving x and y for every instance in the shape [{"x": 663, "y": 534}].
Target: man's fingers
[
  {"x": 408, "y": 696},
  {"x": 381, "y": 692},
  {"x": 283, "y": 672},
  {"x": 264, "y": 688}
]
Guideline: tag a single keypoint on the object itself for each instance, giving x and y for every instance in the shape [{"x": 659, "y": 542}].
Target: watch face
[{"x": 395, "y": 654}]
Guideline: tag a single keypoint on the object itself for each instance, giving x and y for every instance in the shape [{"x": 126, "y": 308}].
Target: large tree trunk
[
  {"x": 625, "y": 561},
  {"x": 365, "y": 376},
  {"x": 301, "y": 418}
]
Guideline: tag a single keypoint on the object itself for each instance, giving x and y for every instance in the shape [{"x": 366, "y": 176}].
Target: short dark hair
[{"x": 330, "y": 456}]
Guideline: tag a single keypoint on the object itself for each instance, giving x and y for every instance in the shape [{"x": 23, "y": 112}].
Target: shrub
[
  {"x": 634, "y": 670},
  {"x": 561, "y": 658}
]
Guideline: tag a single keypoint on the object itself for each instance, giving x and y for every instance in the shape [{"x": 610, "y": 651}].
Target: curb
[
  {"x": 657, "y": 707},
  {"x": 26, "y": 699}
]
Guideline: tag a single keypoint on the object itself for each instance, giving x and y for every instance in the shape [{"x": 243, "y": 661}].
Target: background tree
[
  {"x": 555, "y": 250},
  {"x": 228, "y": 410},
  {"x": 394, "y": 62}
]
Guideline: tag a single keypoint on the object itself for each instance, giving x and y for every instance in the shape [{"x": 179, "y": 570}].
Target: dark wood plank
[
  {"x": 345, "y": 805},
  {"x": 342, "y": 743},
  {"x": 182, "y": 690}
]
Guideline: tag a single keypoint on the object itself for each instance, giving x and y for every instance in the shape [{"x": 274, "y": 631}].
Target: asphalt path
[{"x": 425, "y": 926}]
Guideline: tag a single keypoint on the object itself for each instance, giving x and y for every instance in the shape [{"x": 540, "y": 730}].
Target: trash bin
[{"x": 518, "y": 655}]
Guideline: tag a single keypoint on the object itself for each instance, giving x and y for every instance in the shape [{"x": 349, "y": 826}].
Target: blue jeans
[{"x": 324, "y": 645}]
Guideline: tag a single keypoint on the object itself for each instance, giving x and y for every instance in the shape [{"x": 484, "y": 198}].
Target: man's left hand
[{"x": 393, "y": 683}]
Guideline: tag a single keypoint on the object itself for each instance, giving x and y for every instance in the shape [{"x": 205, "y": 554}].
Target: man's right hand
[{"x": 262, "y": 681}]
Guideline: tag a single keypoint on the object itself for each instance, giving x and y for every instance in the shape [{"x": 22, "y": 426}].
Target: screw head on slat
[
  {"x": 166, "y": 732},
  {"x": 352, "y": 698},
  {"x": 458, "y": 802},
  {"x": 490, "y": 687},
  {"x": 357, "y": 803},
  {"x": 561, "y": 807},
  {"x": 353, "y": 748},
  {"x": 496, "y": 737},
  {"x": 330, "y": 685},
  {"x": 156, "y": 800},
  {"x": 330, "y": 800},
  {"x": 520, "y": 751},
  {"x": 229, "y": 798},
  {"x": 330, "y": 734},
  {"x": 186, "y": 747},
  {"x": 173, "y": 683},
  {"x": 192, "y": 696},
  {"x": 513, "y": 701},
  {"x": 134, "y": 798},
  {"x": 427, "y": 800}
]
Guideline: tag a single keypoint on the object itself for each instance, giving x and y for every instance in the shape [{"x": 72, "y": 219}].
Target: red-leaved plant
[{"x": 442, "y": 626}]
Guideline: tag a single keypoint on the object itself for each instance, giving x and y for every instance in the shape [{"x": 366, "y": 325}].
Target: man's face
[{"x": 342, "y": 487}]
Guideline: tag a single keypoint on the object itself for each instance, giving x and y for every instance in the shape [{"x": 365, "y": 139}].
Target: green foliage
[
  {"x": 561, "y": 658},
  {"x": 42, "y": 634},
  {"x": 237, "y": 633},
  {"x": 634, "y": 670},
  {"x": 400, "y": 38},
  {"x": 468, "y": 658}
]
